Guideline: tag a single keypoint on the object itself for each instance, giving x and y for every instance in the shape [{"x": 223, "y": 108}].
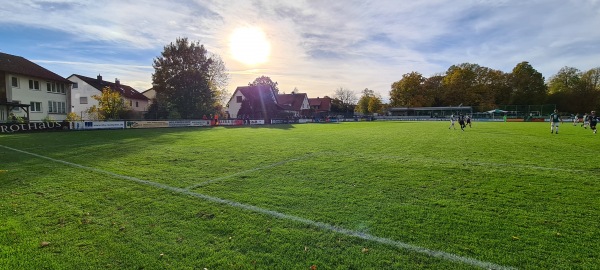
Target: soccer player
[
  {"x": 461, "y": 121},
  {"x": 575, "y": 119},
  {"x": 554, "y": 120},
  {"x": 585, "y": 121},
  {"x": 593, "y": 120},
  {"x": 468, "y": 120},
  {"x": 452, "y": 122}
]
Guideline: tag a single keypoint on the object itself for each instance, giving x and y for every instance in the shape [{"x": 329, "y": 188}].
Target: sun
[{"x": 249, "y": 45}]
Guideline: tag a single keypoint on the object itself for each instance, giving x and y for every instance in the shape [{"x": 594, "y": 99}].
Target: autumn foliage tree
[
  {"x": 410, "y": 91},
  {"x": 111, "y": 105},
  {"x": 369, "y": 103}
]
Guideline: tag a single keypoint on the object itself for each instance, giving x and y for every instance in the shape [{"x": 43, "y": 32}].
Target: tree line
[{"x": 483, "y": 88}]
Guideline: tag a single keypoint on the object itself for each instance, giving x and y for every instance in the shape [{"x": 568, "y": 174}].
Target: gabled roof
[
  {"x": 125, "y": 90},
  {"x": 257, "y": 93},
  {"x": 261, "y": 100},
  {"x": 292, "y": 101},
  {"x": 323, "y": 103},
  {"x": 19, "y": 65}
]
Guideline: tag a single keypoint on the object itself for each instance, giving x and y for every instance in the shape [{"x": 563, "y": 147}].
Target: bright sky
[{"x": 316, "y": 46}]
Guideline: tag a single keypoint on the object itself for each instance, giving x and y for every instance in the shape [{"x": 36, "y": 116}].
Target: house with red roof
[
  {"x": 254, "y": 102},
  {"x": 30, "y": 91},
  {"x": 320, "y": 106},
  {"x": 85, "y": 87},
  {"x": 296, "y": 104}
]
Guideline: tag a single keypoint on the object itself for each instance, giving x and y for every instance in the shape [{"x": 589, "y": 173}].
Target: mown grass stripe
[
  {"x": 248, "y": 171},
  {"x": 321, "y": 225}
]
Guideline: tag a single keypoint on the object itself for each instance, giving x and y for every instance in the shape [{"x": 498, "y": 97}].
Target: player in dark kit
[
  {"x": 593, "y": 120},
  {"x": 468, "y": 120},
  {"x": 461, "y": 121}
]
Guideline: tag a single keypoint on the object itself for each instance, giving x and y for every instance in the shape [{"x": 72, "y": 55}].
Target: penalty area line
[{"x": 324, "y": 226}]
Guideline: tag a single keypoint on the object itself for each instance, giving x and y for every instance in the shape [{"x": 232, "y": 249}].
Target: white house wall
[
  {"x": 137, "y": 105},
  {"x": 25, "y": 95},
  {"x": 305, "y": 104},
  {"x": 83, "y": 90},
  {"x": 233, "y": 107}
]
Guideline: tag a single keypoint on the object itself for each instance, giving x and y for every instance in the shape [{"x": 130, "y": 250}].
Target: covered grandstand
[{"x": 431, "y": 112}]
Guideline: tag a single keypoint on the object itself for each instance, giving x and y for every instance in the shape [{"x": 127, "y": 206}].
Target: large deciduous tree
[
  {"x": 410, "y": 91},
  {"x": 347, "y": 99},
  {"x": 184, "y": 82},
  {"x": 264, "y": 80},
  {"x": 528, "y": 87},
  {"x": 459, "y": 83},
  {"x": 434, "y": 88},
  {"x": 565, "y": 89},
  {"x": 218, "y": 77},
  {"x": 473, "y": 85},
  {"x": 369, "y": 102},
  {"x": 590, "y": 81}
]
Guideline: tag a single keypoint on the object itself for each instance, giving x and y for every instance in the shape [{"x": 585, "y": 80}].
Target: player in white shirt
[
  {"x": 452, "y": 122},
  {"x": 586, "y": 121}
]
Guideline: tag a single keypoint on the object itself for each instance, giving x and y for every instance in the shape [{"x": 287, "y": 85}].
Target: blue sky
[{"x": 316, "y": 46}]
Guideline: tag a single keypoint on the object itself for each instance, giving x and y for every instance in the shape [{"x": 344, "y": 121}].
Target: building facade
[
  {"x": 31, "y": 92},
  {"x": 84, "y": 88}
]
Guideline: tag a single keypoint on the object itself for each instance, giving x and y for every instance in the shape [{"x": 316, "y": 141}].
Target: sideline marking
[
  {"x": 321, "y": 225},
  {"x": 250, "y": 170}
]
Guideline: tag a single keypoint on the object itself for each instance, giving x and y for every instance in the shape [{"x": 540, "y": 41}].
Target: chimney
[
  {"x": 99, "y": 77},
  {"x": 117, "y": 82}
]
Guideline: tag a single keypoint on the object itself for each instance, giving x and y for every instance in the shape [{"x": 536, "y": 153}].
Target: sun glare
[{"x": 249, "y": 45}]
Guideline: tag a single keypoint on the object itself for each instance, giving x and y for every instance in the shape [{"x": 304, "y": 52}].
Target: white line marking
[
  {"x": 247, "y": 171},
  {"x": 321, "y": 225}
]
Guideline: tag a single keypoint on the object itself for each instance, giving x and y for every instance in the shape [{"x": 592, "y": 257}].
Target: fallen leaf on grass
[
  {"x": 313, "y": 267},
  {"x": 516, "y": 238},
  {"x": 365, "y": 250},
  {"x": 44, "y": 244}
]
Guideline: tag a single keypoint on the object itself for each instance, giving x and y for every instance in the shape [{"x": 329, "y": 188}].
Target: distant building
[
  {"x": 85, "y": 87},
  {"x": 254, "y": 102},
  {"x": 429, "y": 111},
  {"x": 320, "y": 106},
  {"x": 150, "y": 94},
  {"x": 296, "y": 104},
  {"x": 30, "y": 91}
]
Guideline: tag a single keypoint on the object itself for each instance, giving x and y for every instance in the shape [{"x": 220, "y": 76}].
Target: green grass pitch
[{"x": 361, "y": 195}]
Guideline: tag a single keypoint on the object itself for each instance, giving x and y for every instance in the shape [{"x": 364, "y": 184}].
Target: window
[
  {"x": 75, "y": 85},
  {"x": 14, "y": 82},
  {"x": 34, "y": 85},
  {"x": 239, "y": 99},
  {"x": 36, "y": 106},
  {"x": 83, "y": 100},
  {"x": 57, "y": 107},
  {"x": 50, "y": 87},
  {"x": 130, "y": 103},
  {"x": 136, "y": 104},
  {"x": 55, "y": 88}
]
